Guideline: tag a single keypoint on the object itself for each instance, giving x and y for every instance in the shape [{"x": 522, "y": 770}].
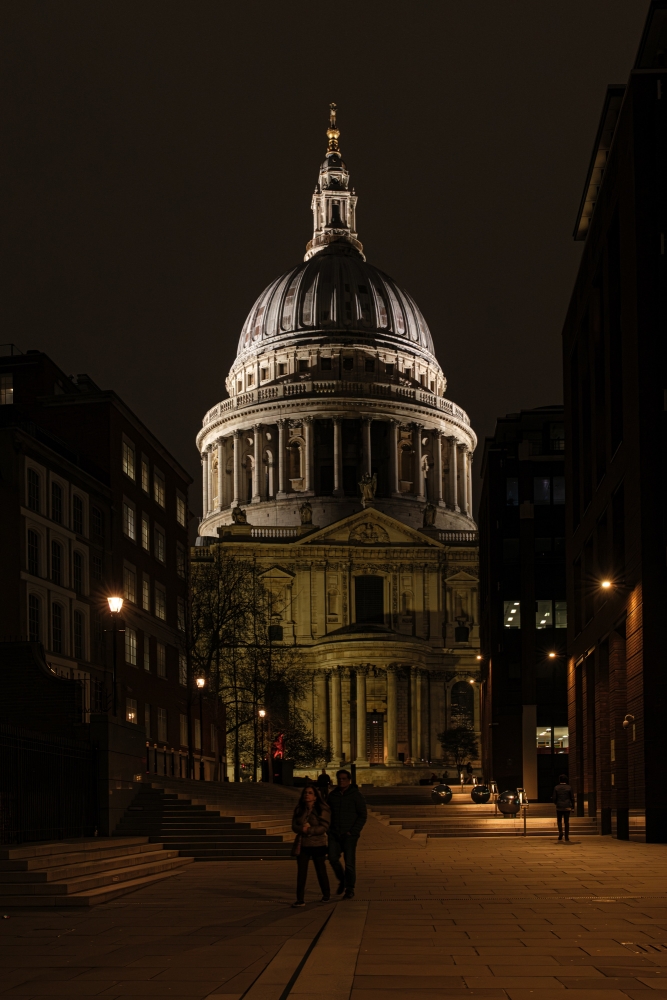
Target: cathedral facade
[{"x": 340, "y": 466}]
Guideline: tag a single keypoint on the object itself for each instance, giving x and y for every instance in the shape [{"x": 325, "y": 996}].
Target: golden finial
[{"x": 333, "y": 134}]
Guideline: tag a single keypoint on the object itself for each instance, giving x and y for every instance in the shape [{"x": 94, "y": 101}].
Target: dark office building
[
  {"x": 615, "y": 375},
  {"x": 523, "y": 602}
]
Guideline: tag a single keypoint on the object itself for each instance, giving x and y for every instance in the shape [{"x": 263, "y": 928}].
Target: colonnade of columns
[{"x": 453, "y": 490}]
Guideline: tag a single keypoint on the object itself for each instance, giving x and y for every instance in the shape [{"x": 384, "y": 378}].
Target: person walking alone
[
  {"x": 310, "y": 822},
  {"x": 348, "y": 815},
  {"x": 564, "y": 800}
]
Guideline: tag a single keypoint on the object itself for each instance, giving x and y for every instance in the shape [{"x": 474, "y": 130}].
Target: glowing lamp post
[
  {"x": 115, "y": 608},
  {"x": 201, "y": 683}
]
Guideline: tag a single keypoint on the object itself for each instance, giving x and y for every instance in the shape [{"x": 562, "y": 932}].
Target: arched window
[
  {"x": 77, "y": 572},
  {"x": 294, "y": 461},
  {"x": 369, "y": 599},
  {"x": 79, "y": 644},
  {"x": 34, "y": 618},
  {"x": 77, "y": 514},
  {"x": 57, "y": 562},
  {"x": 57, "y": 628},
  {"x": 406, "y": 464},
  {"x": 57, "y": 503},
  {"x": 33, "y": 553},
  {"x": 34, "y": 490},
  {"x": 463, "y": 703}
]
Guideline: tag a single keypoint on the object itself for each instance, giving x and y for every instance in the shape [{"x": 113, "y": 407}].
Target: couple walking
[{"x": 328, "y": 829}]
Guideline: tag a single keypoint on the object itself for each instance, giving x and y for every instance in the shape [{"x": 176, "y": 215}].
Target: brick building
[{"x": 615, "y": 376}]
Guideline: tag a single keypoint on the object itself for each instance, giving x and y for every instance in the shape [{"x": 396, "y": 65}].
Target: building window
[
  {"x": 369, "y": 365},
  {"x": 180, "y": 510},
  {"x": 128, "y": 521},
  {"x": 304, "y": 364},
  {"x": 146, "y": 593},
  {"x": 348, "y": 364},
  {"x": 131, "y": 710},
  {"x": 557, "y": 437},
  {"x": 182, "y": 669},
  {"x": 369, "y": 599},
  {"x": 282, "y": 368},
  {"x": 250, "y": 378},
  {"x": 180, "y": 614},
  {"x": 512, "y": 491},
  {"x": 184, "y": 730},
  {"x": 145, "y": 532},
  {"x": 160, "y": 545},
  {"x": 131, "y": 646},
  {"x": 147, "y": 719},
  {"x": 57, "y": 563},
  {"x": 34, "y": 618},
  {"x": 161, "y": 659},
  {"x": 389, "y": 368},
  {"x": 147, "y": 652},
  {"x": 543, "y": 616},
  {"x": 6, "y": 390},
  {"x": 541, "y": 490},
  {"x": 263, "y": 374},
  {"x": 34, "y": 490},
  {"x": 57, "y": 503},
  {"x": 160, "y": 603},
  {"x": 77, "y": 572},
  {"x": 158, "y": 487},
  {"x": 33, "y": 553},
  {"x": 128, "y": 459},
  {"x": 57, "y": 627},
  {"x": 129, "y": 584},
  {"x": 77, "y": 514},
  {"x": 512, "y": 614},
  {"x": 560, "y": 614},
  {"x": 559, "y": 489},
  {"x": 180, "y": 559},
  {"x": 97, "y": 518},
  {"x": 275, "y": 633},
  {"x": 325, "y": 364},
  {"x": 97, "y": 567},
  {"x": 162, "y": 725},
  {"x": 79, "y": 644},
  {"x": 145, "y": 475}
]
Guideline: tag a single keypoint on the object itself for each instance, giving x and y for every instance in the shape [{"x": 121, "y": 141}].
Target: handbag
[{"x": 296, "y": 846}]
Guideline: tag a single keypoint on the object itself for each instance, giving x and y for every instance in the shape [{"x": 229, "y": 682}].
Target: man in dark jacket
[
  {"x": 564, "y": 800},
  {"x": 348, "y": 815}
]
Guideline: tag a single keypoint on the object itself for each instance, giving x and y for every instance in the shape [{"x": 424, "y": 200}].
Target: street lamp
[
  {"x": 201, "y": 683},
  {"x": 552, "y": 656},
  {"x": 606, "y": 584},
  {"x": 115, "y": 608}
]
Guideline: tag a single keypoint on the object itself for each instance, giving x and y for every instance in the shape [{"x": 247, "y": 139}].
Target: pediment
[
  {"x": 277, "y": 573},
  {"x": 461, "y": 576},
  {"x": 369, "y": 527}
]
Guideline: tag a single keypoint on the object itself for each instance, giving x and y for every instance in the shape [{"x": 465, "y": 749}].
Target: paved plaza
[{"x": 523, "y": 919}]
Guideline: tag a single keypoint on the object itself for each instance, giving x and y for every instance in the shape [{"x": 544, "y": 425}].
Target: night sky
[{"x": 158, "y": 158}]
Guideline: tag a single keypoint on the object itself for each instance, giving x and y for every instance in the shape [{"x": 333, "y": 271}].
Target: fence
[{"x": 47, "y": 787}]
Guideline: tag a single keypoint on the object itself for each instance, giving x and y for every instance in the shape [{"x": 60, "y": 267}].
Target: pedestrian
[
  {"x": 348, "y": 815},
  {"x": 564, "y": 800},
  {"x": 323, "y": 783},
  {"x": 310, "y": 823},
  {"x": 469, "y": 771}
]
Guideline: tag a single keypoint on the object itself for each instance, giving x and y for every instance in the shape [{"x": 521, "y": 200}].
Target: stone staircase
[
  {"x": 208, "y": 822},
  {"x": 82, "y": 872}
]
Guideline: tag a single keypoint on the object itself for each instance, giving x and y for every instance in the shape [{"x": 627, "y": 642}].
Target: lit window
[
  {"x": 34, "y": 618},
  {"x": 57, "y": 503},
  {"x": 541, "y": 490},
  {"x": 77, "y": 572},
  {"x": 33, "y": 553},
  {"x": 160, "y": 603},
  {"x": 180, "y": 509},
  {"x": 180, "y": 614},
  {"x": 128, "y": 459},
  {"x": 131, "y": 646},
  {"x": 128, "y": 521},
  {"x": 160, "y": 545},
  {"x": 161, "y": 659},
  {"x": 6, "y": 390},
  {"x": 57, "y": 563},
  {"x": 511, "y": 614},
  {"x": 129, "y": 585},
  {"x": 131, "y": 710},
  {"x": 145, "y": 475},
  {"x": 560, "y": 614},
  {"x": 559, "y": 490},
  {"x": 543, "y": 615},
  {"x": 77, "y": 514},
  {"x": 79, "y": 635},
  {"x": 162, "y": 725},
  {"x": 182, "y": 669},
  {"x": 145, "y": 532},
  {"x": 184, "y": 730},
  {"x": 158, "y": 487},
  {"x": 147, "y": 652},
  {"x": 180, "y": 559},
  {"x": 146, "y": 593},
  {"x": 34, "y": 490},
  {"x": 57, "y": 628}
]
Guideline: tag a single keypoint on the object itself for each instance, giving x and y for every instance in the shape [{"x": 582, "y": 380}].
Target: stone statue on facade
[
  {"x": 239, "y": 516},
  {"x": 368, "y": 485},
  {"x": 429, "y": 515},
  {"x": 306, "y": 512}
]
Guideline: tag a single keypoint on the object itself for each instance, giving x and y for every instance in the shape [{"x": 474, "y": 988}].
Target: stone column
[
  {"x": 256, "y": 462},
  {"x": 420, "y": 713},
  {"x": 338, "y": 457},
  {"x": 469, "y": 484},
  {"x": 426, "y": 715},
  {"x": 204, "y": 483},
  {"x": 418, "y": 460},
  {"x": 366, "y": 444},
  {"x": 236, "y": 499},
  {"x": 414, "y": 749},
  {"x": 345, "y": 714},
  {"x": 453, "y": 471},
  {"x": 308, "y": 437},
  {"x": 362, "y": 755},
  {"x": 221, "y": 473},
  {"x": 393, "y": 456},
  {"x": 438, "y": 466},
  {"x": 336, "y": 718},
  {"x": 463, "y": 499},
  {"x": 281, "y": 458},
  {"x": 392, "y": 716},
  {"x": 321, "y": 727}
]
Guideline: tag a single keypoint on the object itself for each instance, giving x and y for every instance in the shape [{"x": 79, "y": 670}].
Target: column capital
[
  {"x": 236, "y": 433},
  {"x": 452, "y": 438},
  {"x": 362, "y": 670}
]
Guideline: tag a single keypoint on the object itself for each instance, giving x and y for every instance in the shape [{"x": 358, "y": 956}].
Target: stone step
[
  {"x": 45, "y": 849},
  {"x": 92, "y": 897},
  {"x": 269, "y": 853},
  {"x": 76, "y": 869},
  {"x": 132, "y": 845},
  {"x": 83, "y": 883}
]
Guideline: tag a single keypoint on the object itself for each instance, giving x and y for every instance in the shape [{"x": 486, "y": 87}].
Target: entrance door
[{"x": 375, "y": 737}]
